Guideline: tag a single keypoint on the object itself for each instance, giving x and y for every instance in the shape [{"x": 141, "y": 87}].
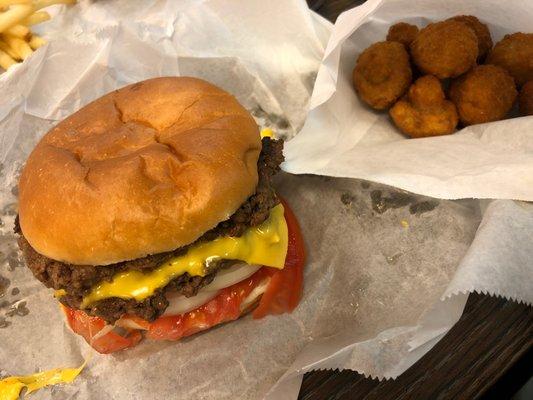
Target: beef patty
[{"x": 77, "y": 280}]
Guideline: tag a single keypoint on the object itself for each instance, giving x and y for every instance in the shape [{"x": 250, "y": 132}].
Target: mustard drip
[{"x": 11, "y": 387}]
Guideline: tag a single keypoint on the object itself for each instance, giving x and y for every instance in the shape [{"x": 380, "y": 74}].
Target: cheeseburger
[{"x": 151, "y": 212}]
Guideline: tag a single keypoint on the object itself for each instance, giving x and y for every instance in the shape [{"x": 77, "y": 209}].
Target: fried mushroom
[
  {"x": 382, "y": 74},
  {"x": 424, "y": 111},
  {"x": 526, "y": 99},
  {"x": 484, "y": 40},
  {"x": 515, "y": 54},
  {"x": 445, "y": 49},
  {"x": 484, "y": 94},
  {"x": 402, "y": 32}
]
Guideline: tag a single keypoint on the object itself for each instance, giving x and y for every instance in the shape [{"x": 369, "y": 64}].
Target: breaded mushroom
[
  {"x": 515, "y": 54},
  {"x": 382, "y": 74},
  {"x": 484, "y": 94},
  {"x": 402, "y": 32},
  {"x": 484, "y": 40},
  {"x": 424, "y": 111},
  {"x": 445, "y": 49},
  {"x": 525, "y": 99}
]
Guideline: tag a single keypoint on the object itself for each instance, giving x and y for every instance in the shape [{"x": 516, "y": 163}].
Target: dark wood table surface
[{"x": 487, "y": 354}]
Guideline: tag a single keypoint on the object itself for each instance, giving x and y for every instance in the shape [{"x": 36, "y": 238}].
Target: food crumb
[{"x": 393, "y": 259}]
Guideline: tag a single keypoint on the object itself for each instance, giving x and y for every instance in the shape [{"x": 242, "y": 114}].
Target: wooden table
[{"x": 487, "y": 354}]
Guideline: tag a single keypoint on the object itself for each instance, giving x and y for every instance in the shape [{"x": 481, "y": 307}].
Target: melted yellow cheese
[
  {"x": 11, "y": 387},
  {"x": 265, "y": 244}
]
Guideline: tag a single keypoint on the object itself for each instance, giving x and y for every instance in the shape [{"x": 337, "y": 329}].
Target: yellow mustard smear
[
  {"x": 265, "y": 245},
  {"x": 266, "y": 132},
  {"x": 11, "y": 387}
]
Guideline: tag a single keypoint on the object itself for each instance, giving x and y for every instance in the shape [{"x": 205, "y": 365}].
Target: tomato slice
[
  {"x": 226, "y": 306},
  {"x": 89, "y": 327},
  {"x": 285, "y": 289},
  {"x": 282, "y": 295}
]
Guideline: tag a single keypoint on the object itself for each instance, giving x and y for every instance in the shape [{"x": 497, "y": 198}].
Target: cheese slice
[{"x": 265, "y": 245}]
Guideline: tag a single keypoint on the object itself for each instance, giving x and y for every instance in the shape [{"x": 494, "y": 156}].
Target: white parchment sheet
[{"x": 387, "y": 272}]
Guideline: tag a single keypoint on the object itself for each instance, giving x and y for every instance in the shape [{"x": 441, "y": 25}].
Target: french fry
[
  {"x": 38, "y": 4},
  {"x": 36, "y": 18},
  {"x": 16, "y": 39},
  {"x": 36, "y": 42},
  {"x": 19, "y": 45},
  {"x": 5, "y": 60},
  {"x": 19, "y": 31},
  {"x": 6, "y": 3},
  {"x": 10, "y": 52},
  {"x": 13, "y": 15}
]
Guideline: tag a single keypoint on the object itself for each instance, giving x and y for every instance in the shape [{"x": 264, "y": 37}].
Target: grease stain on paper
[
  {"x": 4, "y": 285},
  {"x": 14, "y": 261},
  {"x": 423, "y": 207},
  {"x": 4, "y": 323},
  {"x": 18, "y": 309},
  {"x": 381, "y": 203},
  {"x": 10, "y": 209},
  {"x": 347, "y": 198}
]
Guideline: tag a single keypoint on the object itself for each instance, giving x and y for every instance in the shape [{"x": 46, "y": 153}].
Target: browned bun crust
[{"x": 145, "y": 169}]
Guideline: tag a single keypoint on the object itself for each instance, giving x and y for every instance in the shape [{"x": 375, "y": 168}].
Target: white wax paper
[
  {"x": 342, "y": 137},
  {"x": 387, "y": 271}
]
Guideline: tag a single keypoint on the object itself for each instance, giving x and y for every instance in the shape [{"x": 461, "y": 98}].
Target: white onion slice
[
  {"x": 179, "y": 304},
  {"x": 128, "y": 323},
  {"x": 254, "y": 294},
  {"x": 230, "y": 276},
  {"x": 102, "y": 332}
]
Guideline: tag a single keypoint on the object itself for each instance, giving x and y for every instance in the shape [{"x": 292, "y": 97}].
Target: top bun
[{"x": 143, "y": 170}]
